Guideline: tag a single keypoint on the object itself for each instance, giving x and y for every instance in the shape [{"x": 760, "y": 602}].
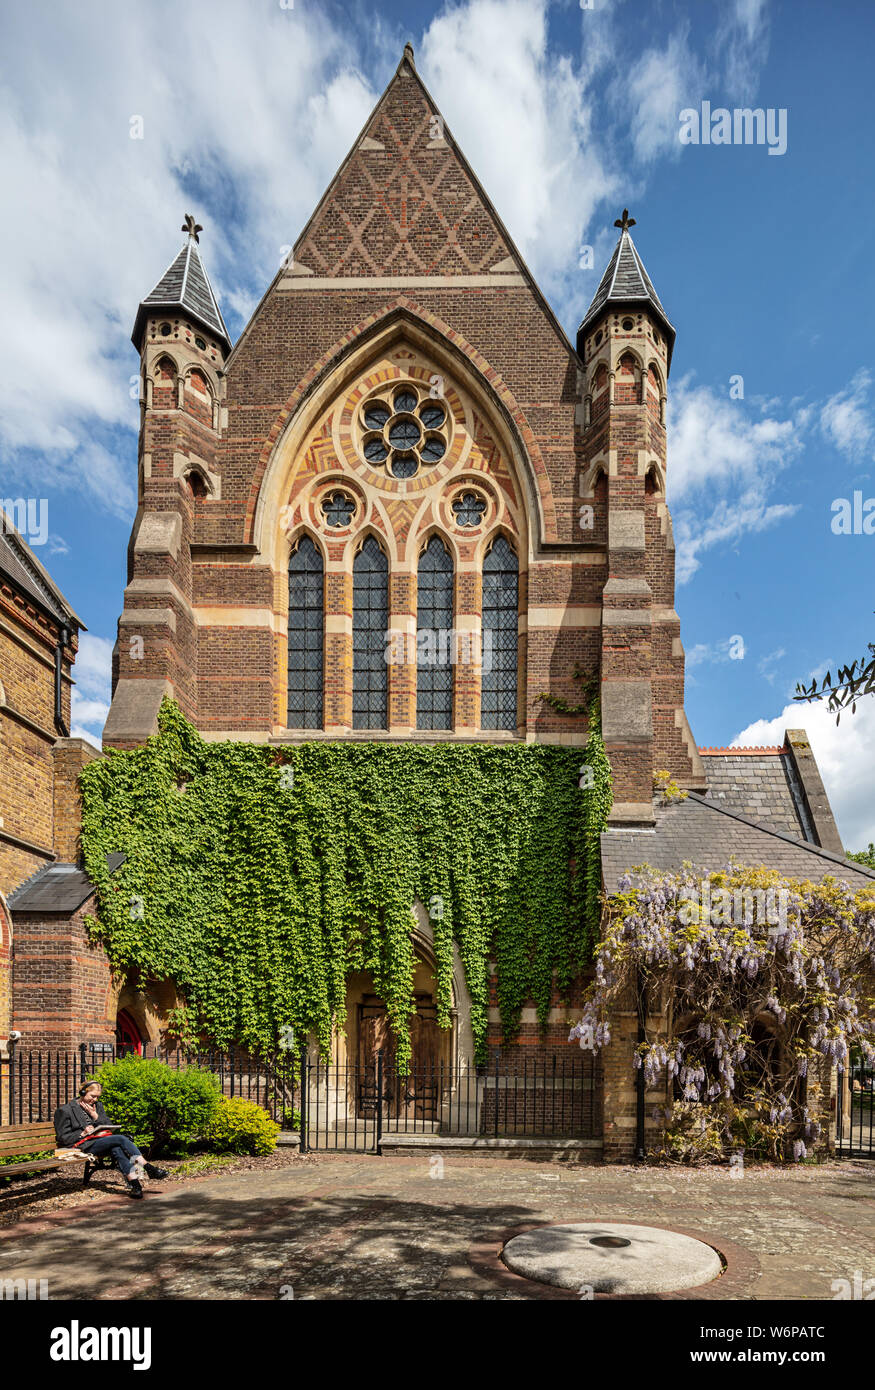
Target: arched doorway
[{"x": 127, "y": 1035}]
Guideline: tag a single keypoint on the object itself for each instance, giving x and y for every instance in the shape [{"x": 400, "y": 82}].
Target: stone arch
[
  {"x": 296, "y": 534},
  {"x": 207, "y": 374},
  {"x": 162, "y": 359},
  {"x": 423, "y": 938},
  {"x": 599, "y": 378},
  {"x": 654, "y": 377},
  {"x": 624, "y": 351},
  {"x": 422, "y": 538},
  {"x": 197, "y": 481},
  {"x": 348, "y": 358},
  {"x": 488, "y": 541},
  {"x": 654, "y": 480}
]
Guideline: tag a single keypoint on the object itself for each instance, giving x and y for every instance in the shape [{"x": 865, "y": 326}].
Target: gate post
[
  {"x": 379, "y": 1134},
  {"x": 304, "y": 1084}
]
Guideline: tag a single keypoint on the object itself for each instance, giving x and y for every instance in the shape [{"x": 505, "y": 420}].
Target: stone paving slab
[{"x": 360, "y": 1227}]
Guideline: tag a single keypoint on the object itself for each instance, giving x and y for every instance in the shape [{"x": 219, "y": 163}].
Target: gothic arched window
[
  {"x": 498, "y": 703},
  {"x": 305, "y": 637},
  {"x": 434, "y": 638},
  {"x": 370, "y": 621}
]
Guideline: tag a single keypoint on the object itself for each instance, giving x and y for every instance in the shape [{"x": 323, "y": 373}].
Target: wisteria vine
[{"x": 762, "y": 985}]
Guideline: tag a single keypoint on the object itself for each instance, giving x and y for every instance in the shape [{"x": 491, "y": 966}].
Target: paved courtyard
[{"x": 357, "y": 1227}]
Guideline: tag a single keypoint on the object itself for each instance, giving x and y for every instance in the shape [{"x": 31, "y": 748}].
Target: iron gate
[
  {"x": 355, "y": 1105},
  {"x": 855, "y": 1112}
]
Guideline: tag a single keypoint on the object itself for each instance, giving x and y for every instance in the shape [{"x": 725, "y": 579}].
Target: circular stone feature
[{"x": 612, "y": 1258}]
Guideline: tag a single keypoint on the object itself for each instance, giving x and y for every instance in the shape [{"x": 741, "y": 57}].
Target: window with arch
[
  {"x": 434, "y": 635},
  {"x": 370, "y": 621},
  {"x": 305, "y": 636},
  {"x": 498, "y": 702}
]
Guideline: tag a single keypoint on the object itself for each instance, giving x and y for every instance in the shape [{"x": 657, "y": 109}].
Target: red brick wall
[{"x": 62, "y": 987}]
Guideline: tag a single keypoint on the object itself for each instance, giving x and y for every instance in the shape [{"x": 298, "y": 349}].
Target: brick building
[
  {"x": 403, "y": 441},
  {"x": 39, "y": 634}
]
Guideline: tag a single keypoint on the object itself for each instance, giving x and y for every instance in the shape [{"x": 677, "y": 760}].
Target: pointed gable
[{"x": 405, "y": 201}]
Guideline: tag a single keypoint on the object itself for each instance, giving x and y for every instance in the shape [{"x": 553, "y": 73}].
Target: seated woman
[{"x": 81, "y": 1124}]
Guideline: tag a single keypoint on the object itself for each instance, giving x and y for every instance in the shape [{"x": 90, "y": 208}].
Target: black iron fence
[
  {"x": 855, "y": 1112},
  {"x": 344, "y": 1105},
  {"x": 34, "y": 1083},
  {"x": 355, "y": 1105}
]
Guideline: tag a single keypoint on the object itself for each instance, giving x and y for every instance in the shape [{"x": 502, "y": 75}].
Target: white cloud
[
  {"x": 766, "y": 664},
  {"x": 526, "y": 122},
  {"x": 846, "y": 418},
  {"x": 845, "y": 754},
  {"x": 660, "y": 85},
  {"x": 91, "y": 693},
  {"x": 665, "y": 80},
  {"x": 713, "y": 653},
  {"x": 722, "y": 466},
  {"x": 247, "y": 118}
]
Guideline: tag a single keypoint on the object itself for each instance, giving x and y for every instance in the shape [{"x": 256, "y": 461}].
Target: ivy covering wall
[{"x": 256, "y": 879}]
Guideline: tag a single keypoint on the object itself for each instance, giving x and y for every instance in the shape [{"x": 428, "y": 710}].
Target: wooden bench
[{"x": 18, "y": 1140}]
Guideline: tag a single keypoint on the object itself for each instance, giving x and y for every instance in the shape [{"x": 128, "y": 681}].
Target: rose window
[{"x": 405, "y": 431}]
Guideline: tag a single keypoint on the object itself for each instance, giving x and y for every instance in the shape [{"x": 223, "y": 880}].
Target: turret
[{"x": 626, "y": 341}]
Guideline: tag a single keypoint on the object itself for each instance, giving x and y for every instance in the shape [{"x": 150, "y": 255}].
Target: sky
[{"x": 117, "y": 118}]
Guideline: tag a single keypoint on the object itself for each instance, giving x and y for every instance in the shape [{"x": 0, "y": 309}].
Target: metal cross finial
[
  {"x": 625, "y": 222},
  {"x": 192, "y": 227}
]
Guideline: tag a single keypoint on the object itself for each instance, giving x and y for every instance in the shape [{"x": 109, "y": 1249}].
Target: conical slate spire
[
  {"x": 185, "y": 288},
  {"x": 626, "y": 283}
]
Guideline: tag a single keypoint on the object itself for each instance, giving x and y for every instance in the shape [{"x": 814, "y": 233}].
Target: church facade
[
  {"x": 403, "y": 441},
  {"x": 404, "y": 507}
]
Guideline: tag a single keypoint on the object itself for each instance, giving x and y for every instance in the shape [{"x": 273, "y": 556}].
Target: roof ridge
[
  {"x": 744, "y": 748},
  {"x": 185, "y": 272},
  {"x": 40, "y": 584}
]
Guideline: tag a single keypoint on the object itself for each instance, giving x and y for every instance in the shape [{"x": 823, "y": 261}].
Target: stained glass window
[
  {"x": 405, "y": 431},
  {"x": 370, "y": 622},
  {"x": 434, "y": 627},
  {"x": 338, "y": 509},
  {"x": 468, "y": 509},
  {"x": 305, "y": 637},
  {"x": 500, "y": 628}
]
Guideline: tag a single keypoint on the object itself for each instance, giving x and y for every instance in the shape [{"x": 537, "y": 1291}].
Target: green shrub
[
  {"x": 242, "y": 1127},
  {"x": 159, "y": 1106}
]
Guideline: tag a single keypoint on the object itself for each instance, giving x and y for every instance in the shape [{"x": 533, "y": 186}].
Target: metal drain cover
[{"x": 608, "y": 1257}]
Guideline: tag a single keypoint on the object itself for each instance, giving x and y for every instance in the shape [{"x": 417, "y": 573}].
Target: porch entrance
[{"x": 416, "y": 1096}]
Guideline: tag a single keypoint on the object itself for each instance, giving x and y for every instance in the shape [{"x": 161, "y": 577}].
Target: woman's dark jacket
[{"x": 72, "y": 1118}]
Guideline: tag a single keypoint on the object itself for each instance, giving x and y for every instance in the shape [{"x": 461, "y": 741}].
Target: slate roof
[
  {"x": 702, "y": 832},
  {"x": 59, "y": 888},
  {"x": 626, "y": 282},
  {"x": 185, "y": 287},
  {"x": 21, "y": 567},
  {"x": 763, "y": 785}
]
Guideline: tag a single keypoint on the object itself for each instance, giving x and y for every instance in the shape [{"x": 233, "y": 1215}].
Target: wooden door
[{"x": 414, "y": 1096}]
